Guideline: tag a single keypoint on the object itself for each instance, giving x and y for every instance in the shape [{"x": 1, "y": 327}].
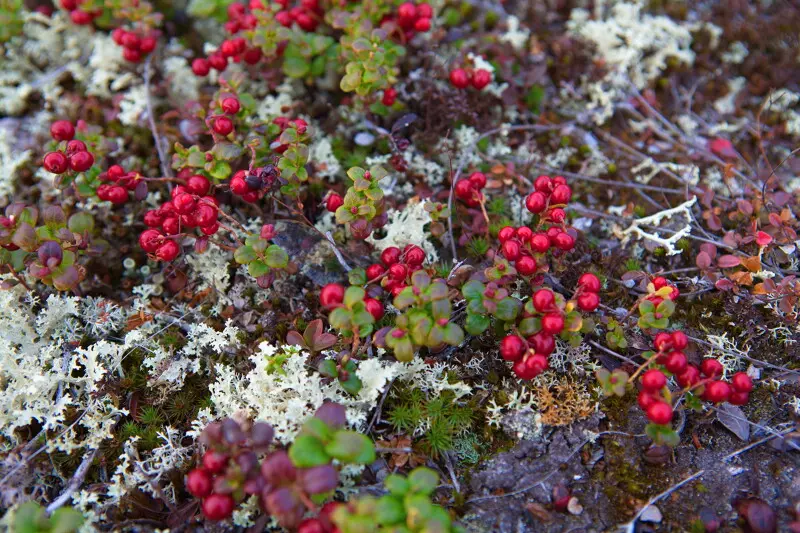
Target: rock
[
  {"x": 651, "y": 514},
  {"x": 574, "y": 506}
]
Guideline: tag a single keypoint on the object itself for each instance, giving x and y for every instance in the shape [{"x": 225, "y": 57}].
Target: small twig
[
  {"x": 613, "y": 353},
  {"x": 74, "y": 483},
  {"x": 451, "y": 470},
  {"x": 336, "y": 251},
  {"x": 381, "y": 449},
  {"x": 165, "y": 170},
  {"x": 380, "y": 406}
]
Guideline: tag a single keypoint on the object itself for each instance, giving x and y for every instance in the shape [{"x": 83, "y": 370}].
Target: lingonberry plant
[{"x": 242, "y": 461}]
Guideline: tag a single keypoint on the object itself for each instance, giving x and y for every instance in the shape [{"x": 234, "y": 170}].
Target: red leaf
[
  {"x": 703, "y": 261},
  {"x": 723, "y": 148},
  {"x": 724, "y": 284},
  {"x": 763, "y": 239},
  {"x": 728, "y": 261}
]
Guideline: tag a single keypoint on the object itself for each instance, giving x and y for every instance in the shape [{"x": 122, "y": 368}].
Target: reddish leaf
[
  {"x": 728, "y": 261},
  {"x": 703, "y": 261},
  {"x": 724, "y": 284},
  {"x": 710, "y": 249},
  {"x": 775, "y": 220},
  {"x": 745, "y": 207},
  {"x": 753, "y": 264},
  {"x": 763, "y": 239},
  {"x": 294, "y": 337},
  {"x": 722, "y": 148}
]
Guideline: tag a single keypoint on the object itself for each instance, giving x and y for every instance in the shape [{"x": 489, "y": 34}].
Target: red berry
[
  {"x": 552, "y": 323},
  {"x": 171, "y": 225},
  {"x": 540, "y": 243},
  {"x": 199, "y": 483},
  {"x": 389, "y": 96},
  {"x": 543, "y": 343},
  {"x": 557, "y": 215},
  {"x": 424, "y": 11},
  {"x": 374, "y": 271},
  {"x": 62, "y": 130},
  {"x": 660, "y": 282},
  {"x": 564, "y": 241},
  {"x": 525, "y": 265},
  {"x": 711, "y": 368},
  {"x": 589, "y": 282},
  {"x": 333, "y": 202},
  {"x": 198, "y": 185},
  {"x": 223, "y": 126},
  {"x": 218, "y": 62},
  {"x": 512, "y": 347},
  {"x": 398, "y": 272},
  {"x": 543, "y": 184},
  {"x": 81, "y": 161},
  {"x": 742, "y": 382},
  {"x": 147, "y": 45},
  {"x": 284, "y": 18},
  {"x": 559, "y": 180},
  {"x": 214, "y": 461},
  {"x": 55, "y": 162},
  {"x": 312, "y": 525},
  {"x": 81, "y": 18},
  {"x": 646, "y": 399},
  {"x": 390, "y": 255},
  {"x": 69, "y": 5},
  {"x": 150, "y": 240},
  {"x": 407, "y": 10},
  {"x": 218, "y": 507},
  {"x": 459, "y": 78},
  {"x": 131, "y": 55},
  {"x": 679, "y": 340},
  {"x": 115, "y": 172},
  {"x": 654, "y": 380},
  {"x": 200, "y": 67},
  {"x": 689, "y": 377},
  {"x": 481, "y": 78},
  {"x": 676, "y": 363},
  {"x": 117, "y": 195},
  {"x": 478, "y": 180},
  {"x": 397, "y": 289},
  {"x": 660, "y": 413},
  {"x": 510, "y": 250},
  {"x": 205, "y": 215},
  {"x": 75, "y": 145},
  {"x": 227, "y": 48},
  {"x": 168, "y": 250},
  {"x": 184, "y": 203},
  {"x": 211, "y": 229},
  {"x": 544, "y": 300},
  {"x": 524, "y": 233},
  {"x": 422, "y": 25},
  {"x": 506, "y": 233},
  {"x": 414, "y": 256},
  {"x": 252, "y": 56},
  {"x": 238, "y": 185},
  {"x": 464, "y": 190},
  {"x": 331, "y": 295},
  {"x": 374, "y": 307},
  {"x": 153, "y": 218},
  {"x": 738, "y": 398},
  {"x": 251, "y": 196},
  {"x": 230, "y": 106},
  {"x": 536, "y": 202},
  {"x": 588, "y": 301},
  {"x": 717, "y": 392},
  {"x": 561, "y": 194},
  {"x": 663, "y": 342}
]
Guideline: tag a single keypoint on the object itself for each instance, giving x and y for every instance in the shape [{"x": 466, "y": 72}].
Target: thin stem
[{"x": 162, "y": 157}]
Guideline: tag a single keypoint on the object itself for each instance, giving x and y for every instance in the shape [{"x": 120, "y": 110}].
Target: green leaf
[
  {"x": 357, "y": 276},
  {"x": 351, "y": 447},
  {"x": 295, "y": 66},
  {"x": 423, "y": 480},
  {"x": 396, "y": 484},
  {"x": 353, "y": 295},
  {"x": 476, "y": 324},
  {"x": 453, "y": 335},
  {"x": 340, "y": 318},
  {"x": 473, "y": 289},
  {"x": 316, "y": 427},
  {"x": 507, "y": 309},
  {"x": 389, "y": 511},
  {"x": 257, "y": 269},
  {"x": 66, "y": 520},
  {"x": 420, "y": 279},
  {"x": 646, "y": 307},
  {"x": 350, "y": 82},
  {"x": 328, "y": 368},
  {"x": 244, "y": 254},
  {"x": 226, "y": 151},
  {"x": 405, "y": 298},
  {"x": 660, "y": 323},
  {"x": 352, "y": 385},
  {"x": 307, "y": 451},
  {"x": 276, "y": 257},
  {"x": 666, "y": 308},
  {"x": 219, "y": 170},
  {"x": 403, "y": 348},
  {"x": 529, "y": 326}
]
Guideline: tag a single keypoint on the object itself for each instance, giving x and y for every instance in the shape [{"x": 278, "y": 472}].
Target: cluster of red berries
[
  {"x": 75, "y": 155},
  {"x": 389, "y": 96},
  {"x": 478, "y": 78},
  {"x": 469, "y": 190},
  {"x": 307, "y": 15},
  {"x": 122, "y": 183},
  {"x": 520, "y": 245},
  {"x": 79, "y": 16},
  {"x": 531, "y": 356},
  {"x": 190, "y": 207},
  {"x": 412, "y": 18},
  {"x": 134, "y": 46},
  {"x": 398, "y": 265},
  {"x": 332, "y": 295},
  {"x": 658, "y": 284},
  {"x": 706, "y": 379},
  {"x": 235, "y": 49}
]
